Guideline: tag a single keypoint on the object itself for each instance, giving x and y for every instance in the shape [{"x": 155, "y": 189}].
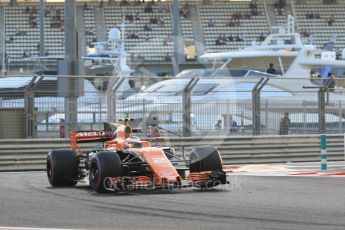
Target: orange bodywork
[
  {"x": 199, "y": 177},
  {"x": 164, "y": 172}
]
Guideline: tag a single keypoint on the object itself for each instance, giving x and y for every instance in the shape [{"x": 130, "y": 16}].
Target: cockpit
[{"x": 133, "y": 142}]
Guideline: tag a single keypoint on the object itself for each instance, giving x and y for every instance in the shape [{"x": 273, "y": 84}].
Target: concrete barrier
[{"x": 30, "y": 154}]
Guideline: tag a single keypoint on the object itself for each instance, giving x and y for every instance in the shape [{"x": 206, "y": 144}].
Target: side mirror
[{"x": 137, "y": 130}]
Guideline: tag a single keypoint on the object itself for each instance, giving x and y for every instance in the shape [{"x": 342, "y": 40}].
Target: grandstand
[{"x": 233, "y": 19}]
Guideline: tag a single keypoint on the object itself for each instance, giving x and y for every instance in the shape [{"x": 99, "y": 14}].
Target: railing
[{"x": 52, "y": 106}]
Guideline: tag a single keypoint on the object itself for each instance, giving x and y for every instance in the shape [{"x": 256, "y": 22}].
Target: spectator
[
  {"x": 163, "y": 9},
  {"x": 133, "y": 35},
  {"x": 88, "y": 32},
  {"x": 148, "y": 8},
  {"x": 247, "y": 15},
  {"x": 279, "y": 4},
  {"x": 253, "y": 5},
  {"x": 231, "y": 23},
  {"x": 147, "y": 28},
  {"x": 261, "y": 38},
  {"x": 18, "y": 32},
  {"x": 240, "y": 38},
  {"x": 221, "y": 40},
  {"x": 62, "y": 128},
  {"x": 218, "y": 125},
  {"x": 26, "y": 54},
  {"x": 233, "y": 125},
  {"x": 210, "y": 23},
  {"x": 230, "y": 38},
  {"x": 284, "y": 124},
  {"x": 237, "y": 15},
  {"x": 311, "y": 39},
  {"x": 167, "y": 39},
  {"x": 34, "y": 10},
  {"x": 305, "y": 33},
  {"x": 160, "y": 21},
  {"x": 154, "y": 128},
  {"x": 253, "y": 9},
  {"x": 309, "y": 15},
  {"x": 153, "y": 20},
  {"x": 129, "y": 18},
  {"x": 140, "y": 57},
  {"x": 271, "y": 69},
  {"x": 137, "y": 17},
  {"x": 331, "y": 20},
  {"x": 27, "y": 10},
  {"x": 147, "y": 37},
  {"x": 11, "y": 39},
  {"x": 317, "y": 15},
  {"x": 330, "y": 82},
  {"x": 185, "y": 11},
  {"x": 167, "y": 57}
]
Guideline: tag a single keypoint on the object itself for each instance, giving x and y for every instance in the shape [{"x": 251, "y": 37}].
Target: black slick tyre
[
  {"x": 103, "y": 165},
  {"x": 205, "y": 158},
  {"x": 62, "y": 168}
]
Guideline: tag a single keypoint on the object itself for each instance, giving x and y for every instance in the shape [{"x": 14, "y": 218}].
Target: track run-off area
[{"x": 249, "y": 202}]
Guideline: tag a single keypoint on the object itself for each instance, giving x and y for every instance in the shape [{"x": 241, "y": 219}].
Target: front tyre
[
  {"x": 62, "y": 168},
  {"x": 207, "y": 159},
  {"x": 103, "y": 165}
]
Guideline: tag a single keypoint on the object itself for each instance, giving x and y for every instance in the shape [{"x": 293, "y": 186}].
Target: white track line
[
  {"x": 22, "y": 172},
  {"x": 24, "y": 228}
]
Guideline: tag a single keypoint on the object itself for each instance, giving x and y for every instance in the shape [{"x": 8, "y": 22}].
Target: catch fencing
[{"x": 51, "y": 106}]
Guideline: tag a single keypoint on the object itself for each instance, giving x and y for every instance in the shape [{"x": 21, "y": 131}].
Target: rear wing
[{"x": 88, "y": 136}]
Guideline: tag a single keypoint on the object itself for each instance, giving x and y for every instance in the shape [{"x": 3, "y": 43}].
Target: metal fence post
[
  {"x": 321, "y": 106},
  {"x": 29, "y": 100},
  {"x": 113, "y": 85},
  {"x": 256, "y": 105},
  {"x": 30, "y": 113},
  {"x": 186, "y": 106}
]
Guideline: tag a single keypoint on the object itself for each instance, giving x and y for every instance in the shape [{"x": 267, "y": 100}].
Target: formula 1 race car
[{"x": 125, "y": 162}]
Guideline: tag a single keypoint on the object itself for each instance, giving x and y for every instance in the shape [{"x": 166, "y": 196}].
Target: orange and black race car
[{"x": 125, "y": 162}]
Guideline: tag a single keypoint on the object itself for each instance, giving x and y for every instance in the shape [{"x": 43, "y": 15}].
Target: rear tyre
[
  {"x": 103, "y": 165},
  {"x": 205, "y": 158},
  {"x": 62, "y": 168}
]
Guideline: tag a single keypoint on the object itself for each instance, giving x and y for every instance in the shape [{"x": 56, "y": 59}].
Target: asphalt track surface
[{"x": 249, "y": 202}]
